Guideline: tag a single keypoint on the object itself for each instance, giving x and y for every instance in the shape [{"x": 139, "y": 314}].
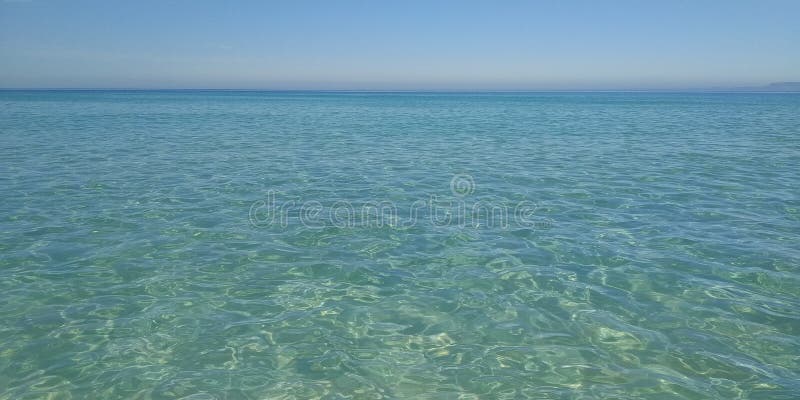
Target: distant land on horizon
[{"x": 772, "y": 87}]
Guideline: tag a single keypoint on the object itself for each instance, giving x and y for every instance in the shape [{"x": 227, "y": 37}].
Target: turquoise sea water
[{"x": 222, "y": 245}]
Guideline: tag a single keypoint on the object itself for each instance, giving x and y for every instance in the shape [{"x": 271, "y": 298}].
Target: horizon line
[{"x": 756, "y": 89}]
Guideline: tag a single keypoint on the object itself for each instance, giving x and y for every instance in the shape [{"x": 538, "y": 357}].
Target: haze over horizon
[{"x": 359, "y": 45}]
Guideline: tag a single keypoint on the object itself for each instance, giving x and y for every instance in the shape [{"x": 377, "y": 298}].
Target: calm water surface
[{"x": 137, "y": 257}]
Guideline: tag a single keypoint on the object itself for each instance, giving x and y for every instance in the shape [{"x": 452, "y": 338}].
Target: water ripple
[{"x": 663, "y": 263}]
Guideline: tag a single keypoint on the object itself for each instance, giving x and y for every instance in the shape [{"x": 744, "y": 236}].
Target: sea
[{"x": 399, "y": 245}]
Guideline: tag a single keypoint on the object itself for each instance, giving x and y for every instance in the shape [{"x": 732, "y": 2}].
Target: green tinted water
[{"x": 318, "y": 245}]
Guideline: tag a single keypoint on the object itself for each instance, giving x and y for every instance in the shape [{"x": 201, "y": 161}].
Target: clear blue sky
[{"x": 398, "y": 44}]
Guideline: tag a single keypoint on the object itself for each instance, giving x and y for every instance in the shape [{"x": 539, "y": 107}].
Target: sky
[{"x": 398, "y": 44}]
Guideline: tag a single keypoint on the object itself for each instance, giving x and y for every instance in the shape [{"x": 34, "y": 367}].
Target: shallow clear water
[{"x": 221, "y": 245}]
